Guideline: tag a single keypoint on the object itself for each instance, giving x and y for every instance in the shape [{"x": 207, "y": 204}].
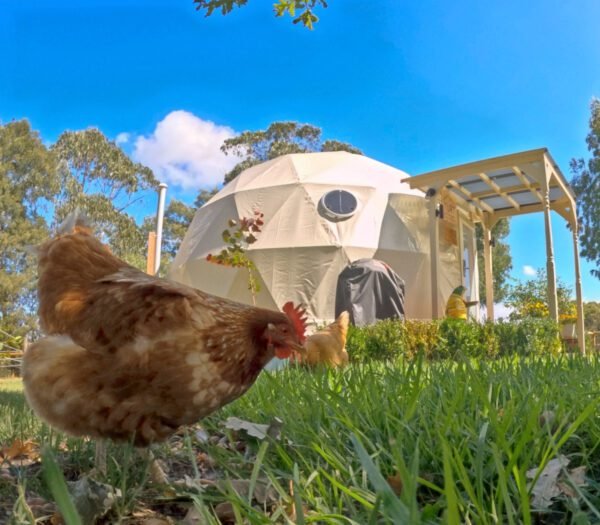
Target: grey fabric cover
[{"x": 370, "y": 291}]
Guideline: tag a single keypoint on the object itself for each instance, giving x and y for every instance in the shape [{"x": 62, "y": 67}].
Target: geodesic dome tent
[{"x": 322, "y": 211}]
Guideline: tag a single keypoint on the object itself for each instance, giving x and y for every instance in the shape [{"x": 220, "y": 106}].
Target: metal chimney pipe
[{"x": 160, "y": 213}]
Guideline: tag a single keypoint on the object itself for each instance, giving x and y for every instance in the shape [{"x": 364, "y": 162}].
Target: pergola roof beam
[
  {"x": 509, "y": 190},
  {"x": 527, "y": 208},
  {"x": 482, "y": 205},
  {"x": 531, "y": 187},
  {"x": 490, "y": 190},
  {"x": 497, "y": 163},
  {"x": 500, "y": 191},
  {"x": 559, "y": 177}
]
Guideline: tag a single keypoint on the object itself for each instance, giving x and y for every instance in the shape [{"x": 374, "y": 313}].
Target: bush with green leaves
[{"x": 452, "y": 339}]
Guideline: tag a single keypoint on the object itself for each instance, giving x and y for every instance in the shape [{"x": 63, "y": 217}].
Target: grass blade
[
  {"x": 393, "y": 506},
  {"x": 58, "y": 487}
]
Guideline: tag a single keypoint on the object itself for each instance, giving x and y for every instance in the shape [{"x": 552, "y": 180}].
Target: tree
[
  {"x": 586, "y": 183},
  {"x": 28, "y": 182},
  {"x": 204, "y": 196},
  {"x": 501, "y": 260},
  {"x": 591, "y": 312},
  {"x": 302, "y": 11},
  {"x": 99, "y": 178},
  {"x": 280, "y": 138},
  {"x": 530, "y": 298},
  {"x": 178, "y": 217}
]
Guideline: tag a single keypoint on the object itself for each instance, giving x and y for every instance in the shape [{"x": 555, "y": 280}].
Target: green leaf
[
  {"x": 55, "y": 481},
  {"x": 396, "y": 509}
]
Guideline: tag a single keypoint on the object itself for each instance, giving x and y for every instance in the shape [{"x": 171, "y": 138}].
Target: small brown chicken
[
  {"x": 328, "y": 346},
  {"x": 130, "y": 356}
]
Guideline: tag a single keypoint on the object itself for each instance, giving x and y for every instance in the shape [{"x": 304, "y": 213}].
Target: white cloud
[
  {"x": 122, "y": 138},
  {"x": 184, "y": 150},
  {"x": 529, "y": 271}
]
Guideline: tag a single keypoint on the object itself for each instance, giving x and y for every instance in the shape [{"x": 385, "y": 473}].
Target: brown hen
[
  {"x": 130, "y": 356},
  {"x": 328, "y": 345}
]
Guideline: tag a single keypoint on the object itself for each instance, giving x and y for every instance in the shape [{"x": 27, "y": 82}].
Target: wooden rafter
[
  {"x": 508, "y": 189},
  {"x": 559, "y": 178},
  {"x": 532, "y": 188},
  {"x": 499, "y": 190},
  {"x": 482, "y": 205}
]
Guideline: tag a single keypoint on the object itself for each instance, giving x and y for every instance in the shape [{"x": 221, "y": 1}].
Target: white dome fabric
[{"x": 300, "y": 252}]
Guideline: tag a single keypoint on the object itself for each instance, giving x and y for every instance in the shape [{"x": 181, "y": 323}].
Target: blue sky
[{"x": 419, "y": 85}]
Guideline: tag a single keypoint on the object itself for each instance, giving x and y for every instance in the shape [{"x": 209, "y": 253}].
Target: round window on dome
[{"x": 338, "y": 205}]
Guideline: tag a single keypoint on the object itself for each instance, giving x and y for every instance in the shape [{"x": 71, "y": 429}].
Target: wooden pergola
[{"x": 492, "y": 189}]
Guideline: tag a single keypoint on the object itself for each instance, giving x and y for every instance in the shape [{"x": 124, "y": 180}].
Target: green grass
[{"x": 460, "y": 436}]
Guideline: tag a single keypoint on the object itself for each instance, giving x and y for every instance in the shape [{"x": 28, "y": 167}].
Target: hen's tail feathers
[
  {"x": 76, "y": 222},
  {"x": 343, "y": 320}
]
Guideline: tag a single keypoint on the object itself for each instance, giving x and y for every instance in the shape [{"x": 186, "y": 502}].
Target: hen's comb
[{"x": 297, "y": 315}]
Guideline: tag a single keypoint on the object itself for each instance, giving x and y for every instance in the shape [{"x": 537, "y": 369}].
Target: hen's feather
[
  {"x": 328, "y": 346},
  {"x": 128, "y": 354}
]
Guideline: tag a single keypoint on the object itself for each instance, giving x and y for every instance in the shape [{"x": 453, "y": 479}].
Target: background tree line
[{"x": 40, "y": 185}]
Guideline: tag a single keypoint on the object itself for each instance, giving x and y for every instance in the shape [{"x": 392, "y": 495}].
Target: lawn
[{"x": 406, "y": 442}]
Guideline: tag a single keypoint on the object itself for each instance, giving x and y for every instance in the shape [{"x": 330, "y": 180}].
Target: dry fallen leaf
[
  {"x": 577, "y": 475},
  {"x": 555, "y": 480},
  {"x": 545, "y": 487},
  {"x": 201, "y": 435},
  {"x": 256, "y": 430},
  {"x": 193, "y": 517},
  {"x": 224, "y": 512},
  {"x": 56, "y": 519},
  {"x": 40, "y": 507},
  {"x": 197, "y": 484},
  {"x": 205, "y": 461},
  {"x": 92, "y": 498},
  {"x": 575, "y": 478},
  {"x": 21, "y": 449},
  {"x": 252, "y": 429},
  {"x": 158, "y": 472},
  {"x": 395, "y": 482},
  {"x": 157, "y": 521}
]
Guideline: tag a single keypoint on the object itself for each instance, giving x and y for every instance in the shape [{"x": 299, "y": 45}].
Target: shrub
[
  {"x": 458, "y": 338},
  {"x": 452, "y": 339},
  {"x": 529, "y": 336},
  {"x": 379, "y": 341},
  {"x": 420, "y": 337}
]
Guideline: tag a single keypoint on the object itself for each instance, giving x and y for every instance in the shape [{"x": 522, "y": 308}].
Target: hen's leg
[{"x": 100, "y": 457}]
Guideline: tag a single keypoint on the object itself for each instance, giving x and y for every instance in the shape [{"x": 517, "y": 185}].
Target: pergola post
[
  {"x": 578, "y": 292},
  {"x": 434, "y": 252},
  {"x": 495, "y": 188},
  {"x": 489, "y": 274},
  {"x": 550, "y": 269}
]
